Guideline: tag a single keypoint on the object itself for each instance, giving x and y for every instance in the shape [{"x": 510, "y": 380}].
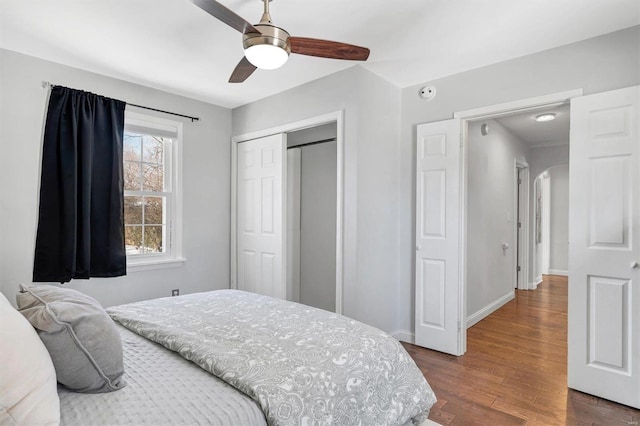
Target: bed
[
  {"x": 229, "y": 357},
  {"x": 162, "y": 389}
]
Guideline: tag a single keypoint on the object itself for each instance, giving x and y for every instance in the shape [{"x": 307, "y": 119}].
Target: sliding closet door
[{"x": 260, "y": 216}]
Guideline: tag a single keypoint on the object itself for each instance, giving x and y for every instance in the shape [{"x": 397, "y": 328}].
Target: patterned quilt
[{"x": 303, "y": 365}]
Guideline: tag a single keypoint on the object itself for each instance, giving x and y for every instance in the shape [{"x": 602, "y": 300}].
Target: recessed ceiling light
[{"x": 549, "y": 116}]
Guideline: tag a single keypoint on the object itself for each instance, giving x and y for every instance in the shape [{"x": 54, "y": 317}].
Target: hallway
[{"x": 515, "y": 369}]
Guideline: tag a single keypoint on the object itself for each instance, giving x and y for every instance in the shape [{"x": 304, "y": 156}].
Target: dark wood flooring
[{"x": 515, "y": 369}]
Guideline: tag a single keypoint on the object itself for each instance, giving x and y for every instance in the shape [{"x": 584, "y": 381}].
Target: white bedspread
[
  {"x": 304, "y": 366},
  {"x": 162, "y": 389}
]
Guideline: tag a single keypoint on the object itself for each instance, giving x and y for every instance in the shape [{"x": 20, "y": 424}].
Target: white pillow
[{"x": 28, "y": 387}]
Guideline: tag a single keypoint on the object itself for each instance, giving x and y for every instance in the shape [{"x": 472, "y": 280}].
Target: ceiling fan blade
[
  {"x": 243, "y": 70},
  {"x": 226, "y": 15},
  {"x": 328, "y": 49}
]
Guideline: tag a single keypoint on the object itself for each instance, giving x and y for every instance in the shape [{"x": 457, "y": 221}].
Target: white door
[
  {"x": 439, "y": 309},
  {"x": 260, "y": 216},
  {"x": 604, "y": 238}
]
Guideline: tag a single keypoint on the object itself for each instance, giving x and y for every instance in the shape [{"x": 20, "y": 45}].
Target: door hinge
[
  {"x": 459, "y": 326},
  {"x": 519, "y": 181},
  {"x": 519, "y": 225},
  {"x": 519, "y": 269}
]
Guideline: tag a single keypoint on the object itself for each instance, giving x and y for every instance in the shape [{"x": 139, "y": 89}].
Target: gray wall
[
  {"x": 491, "y": 215},
  {"x": 379, "y": 152},
  {"x": 318, "y": 225},
  {"x": 312, "y": 134},
  {"x": 599, "y": 64},
  {"x": 206, "y": 182},
  {"x": 543, "y": 158},
  {"x": 372, "y": 115},
  {"x": 559, "y": 257}
]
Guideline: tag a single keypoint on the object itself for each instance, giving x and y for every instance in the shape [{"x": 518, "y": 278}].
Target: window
[{"x": 151, "y": 195}]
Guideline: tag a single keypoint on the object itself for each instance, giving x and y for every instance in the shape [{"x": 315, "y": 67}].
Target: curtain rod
[{"x": 46, "y": 84}]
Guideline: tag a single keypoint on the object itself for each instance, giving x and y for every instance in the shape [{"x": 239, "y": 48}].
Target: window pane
[
  {"x": 153, "y": 150},
  {"x": 145, "y": 172},
  {"x": 132, "y": 147},
  {"x": 132, "y": 210},
  {"x": 132, "y": 176},
  {"x": 153, "y": 210},
  {"x": 153, "y": 239},
  {"x": 153, "y": 178},
  {"x": 133, "y": 239}
]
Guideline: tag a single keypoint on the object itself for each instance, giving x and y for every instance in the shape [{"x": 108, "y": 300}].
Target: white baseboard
[
  {"x": 559, "y": 272},
  {"x": 404, "y": 336},
  {"x": 536, "y": 283},
  {"x": 489, "y": 309}
]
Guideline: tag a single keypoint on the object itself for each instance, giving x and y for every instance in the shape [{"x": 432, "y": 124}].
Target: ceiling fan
[{"x": 268, "y": 47}]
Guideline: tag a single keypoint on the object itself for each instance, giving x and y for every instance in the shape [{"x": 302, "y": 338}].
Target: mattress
[{"x": 162, "y": 389}]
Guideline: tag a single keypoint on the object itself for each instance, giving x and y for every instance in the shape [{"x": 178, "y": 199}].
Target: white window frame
[{"x": 172, "y": 257}]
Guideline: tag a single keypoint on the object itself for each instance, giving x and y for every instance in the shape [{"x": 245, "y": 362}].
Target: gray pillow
[{"x": 81, "y": 338}]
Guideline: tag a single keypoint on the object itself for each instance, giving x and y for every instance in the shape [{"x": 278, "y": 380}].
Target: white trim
[
  {"x": 521, "y": 105},
  {"x": 156, "y": 264},
  {"x": 523, "y": 248},
  {"x": 476, "y": 317},
  {"x": 404, "y": 336},
  {"x": 560, "y": 272},
  {"x": 293, "y": 126},
  {"x": 338, "y": 118},
  {"x": 233, "y": 283},
  {"x": 516, "y": 217},
  {"x": 545, "y": 243},
  {"x": 173, "y": 256},
  {"x": 283, "y": 219},
  {"x": 536, "y": 283},
  {"x": 462, "y": 243}
]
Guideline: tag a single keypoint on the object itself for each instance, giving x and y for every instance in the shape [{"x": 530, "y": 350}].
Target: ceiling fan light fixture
[
  {"x": 266, "y": 56},
  {"x": 268, "y": 50},
  {"x": 268, "y": 47}
]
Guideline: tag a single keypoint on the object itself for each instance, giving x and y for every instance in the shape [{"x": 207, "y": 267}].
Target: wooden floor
[{"x": 515, "y": 369}]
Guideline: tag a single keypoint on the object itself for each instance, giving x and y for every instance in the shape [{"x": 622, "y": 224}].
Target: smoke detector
[{"x": 427, "y": 93}]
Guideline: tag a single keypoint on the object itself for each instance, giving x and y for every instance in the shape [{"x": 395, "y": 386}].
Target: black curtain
[{"x": 81, "y": 217}]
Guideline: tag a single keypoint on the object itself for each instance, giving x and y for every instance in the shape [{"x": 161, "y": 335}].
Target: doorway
[
  {"x": 551, "y": 204},
  {"x": 442, "y": 213},
  {"x": 494, "y": 144},
  {"x": 311, "y": 218},
  {"x": 277, "y": 208},
  {"x": 604, "y": 141}
]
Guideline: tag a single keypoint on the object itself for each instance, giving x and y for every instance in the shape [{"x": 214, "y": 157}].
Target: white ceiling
[
  {"x": 172, "y": 45},
  {"x": 537, "y": 134}
]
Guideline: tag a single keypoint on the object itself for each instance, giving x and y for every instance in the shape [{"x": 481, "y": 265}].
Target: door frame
[
  {"x": 492, "y": 112},
  {"x": 522, "y": 244},
  {"x": 332, "y": 117},
  {"x": 545, "y": 211}
]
